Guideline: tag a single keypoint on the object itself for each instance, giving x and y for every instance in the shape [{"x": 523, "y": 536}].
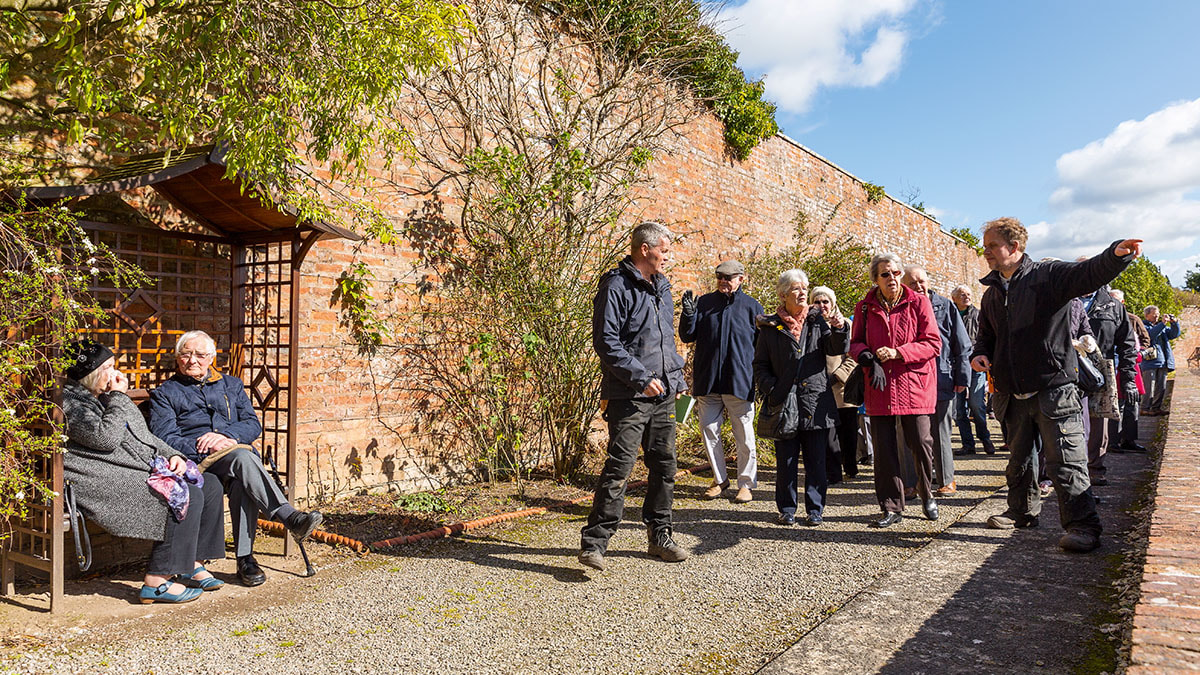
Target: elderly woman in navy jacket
[{"x": 791, "y": 350}]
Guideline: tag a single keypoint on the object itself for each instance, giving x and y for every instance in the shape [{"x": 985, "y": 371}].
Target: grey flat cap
[{"x": 731, "y": 267}]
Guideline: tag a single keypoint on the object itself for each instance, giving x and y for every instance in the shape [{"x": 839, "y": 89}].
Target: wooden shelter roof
[{"x": 194, "y": 181}]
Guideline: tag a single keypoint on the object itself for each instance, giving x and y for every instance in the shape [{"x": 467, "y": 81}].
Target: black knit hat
[{"x": 86, "y": 356}]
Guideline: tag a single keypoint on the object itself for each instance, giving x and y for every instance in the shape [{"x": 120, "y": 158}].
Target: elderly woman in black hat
[{"x": 109, "y": 457}]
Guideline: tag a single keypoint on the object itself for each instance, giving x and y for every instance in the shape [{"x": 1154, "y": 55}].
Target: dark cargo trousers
[
  {"x": 632, "y": 423},
  {"x": 1056, "y": 414}
]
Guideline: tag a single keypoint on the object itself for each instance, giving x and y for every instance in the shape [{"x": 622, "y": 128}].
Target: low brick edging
[{"x": 1166, "y": 621}]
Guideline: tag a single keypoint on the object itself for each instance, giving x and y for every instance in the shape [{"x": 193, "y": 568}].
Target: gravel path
[{"x": 513, "y": 599}]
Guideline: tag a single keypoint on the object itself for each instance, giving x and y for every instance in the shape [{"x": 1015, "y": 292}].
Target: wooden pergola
[{"x": 235, "y": 275}]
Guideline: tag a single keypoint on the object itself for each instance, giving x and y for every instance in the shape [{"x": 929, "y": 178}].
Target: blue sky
[{"x": 1080, "y": 118}]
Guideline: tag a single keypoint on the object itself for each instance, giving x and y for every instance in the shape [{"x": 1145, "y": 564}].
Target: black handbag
[
  {"x": 854, "y": 391},
  {"x": 779, "y": 421},
  {"x": 1091, "y": 376}
]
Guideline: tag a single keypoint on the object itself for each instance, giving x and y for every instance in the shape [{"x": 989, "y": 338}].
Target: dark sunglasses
[
  {"x": 888, "y": 275},
  {"x": 727, "y": 277}
]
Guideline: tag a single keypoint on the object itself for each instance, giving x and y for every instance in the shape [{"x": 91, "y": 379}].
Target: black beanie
[{"x": 86, "y": 356}]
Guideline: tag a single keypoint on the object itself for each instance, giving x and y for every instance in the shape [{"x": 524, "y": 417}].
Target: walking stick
[{"x": 309, "y": 570}]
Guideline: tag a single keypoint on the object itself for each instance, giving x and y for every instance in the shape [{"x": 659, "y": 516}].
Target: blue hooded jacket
[{"x": 633, "y": 333}]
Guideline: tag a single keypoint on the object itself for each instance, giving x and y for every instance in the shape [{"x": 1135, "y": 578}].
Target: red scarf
[{"x": 794, "y": 323}]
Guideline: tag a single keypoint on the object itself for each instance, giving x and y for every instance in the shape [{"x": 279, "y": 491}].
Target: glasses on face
[
  {"x": 726, "y": 277},
  {"x": 822, "y": 301},
  {"x": 195, "y": 356},
  {"x": 888, "y": 275}
]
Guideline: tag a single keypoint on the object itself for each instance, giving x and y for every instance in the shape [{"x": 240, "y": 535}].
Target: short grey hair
[
  {"x": 1148, "y": 308},
  {"x": 89, "y": 381},
  {"x": 959, "y": 290},
  {"x": 784, "y": 284},
  {"x": 650, "y": 233},
  {"x": 882, "y": 258},
  {"x": 193, "y": 335},
  {"x": 1117, "y": 293}
]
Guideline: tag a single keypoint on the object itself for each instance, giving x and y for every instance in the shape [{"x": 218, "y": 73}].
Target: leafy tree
[
  {"x": 967, "y": 235},
  {"x": 1191, "y": 281},
  {"x": 1144, "y": 284},
  {"x": 839, "y": 263}
]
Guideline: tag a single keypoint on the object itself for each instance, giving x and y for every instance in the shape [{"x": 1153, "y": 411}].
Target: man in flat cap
[{"x": 722, "y": 325}]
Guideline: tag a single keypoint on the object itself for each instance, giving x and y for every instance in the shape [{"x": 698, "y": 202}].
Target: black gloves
[
  {"x": 1129, "y": 392},
  {"x": 873, "y": 370},
  {"x": 688, "y": 303}
]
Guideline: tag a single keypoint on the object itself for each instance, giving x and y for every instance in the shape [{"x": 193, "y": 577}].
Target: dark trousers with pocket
[
  {"x": 842, "y": 456},
  {"x": 889, "y": 484},
  {"x": 1056, "y": 415},
  {"x": 809, "y": 447},
  {"x": 199, "y": 536},
  {"x": 634, "y": 423}
]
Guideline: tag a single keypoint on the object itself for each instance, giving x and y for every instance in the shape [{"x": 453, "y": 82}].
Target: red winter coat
[{"x": 911, "y": 328}]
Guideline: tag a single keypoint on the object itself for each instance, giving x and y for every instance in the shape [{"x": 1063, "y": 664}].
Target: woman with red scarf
[
  {"x": 896, "y": 340},
  {"x": 790, "y": 356}
]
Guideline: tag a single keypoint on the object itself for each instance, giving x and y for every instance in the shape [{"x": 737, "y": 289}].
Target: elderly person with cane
[
  {"x": 789, "y": 363},
  {"x": 108, "y": 464},
  {"x": 895, "y": 339},
  {"x": 206, "y": 416}
]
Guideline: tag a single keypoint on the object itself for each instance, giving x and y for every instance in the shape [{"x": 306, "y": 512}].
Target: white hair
[
  {"x": 1117, "y": 293},
  {"x": 959, "y": 290},
  {"x": 882, "y": 258},
  {"x": 827, "y": 292},
  {"x": 194, "y": 335},
  {"x": 89, "y": 381},
  {"x": 784, "y": 284}
]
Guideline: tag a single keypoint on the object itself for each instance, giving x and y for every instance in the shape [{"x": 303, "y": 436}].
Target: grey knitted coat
[{"x": 108, "y": 458}]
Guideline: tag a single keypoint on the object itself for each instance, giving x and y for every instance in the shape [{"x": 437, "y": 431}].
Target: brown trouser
[{"x": 889, "y": 486}]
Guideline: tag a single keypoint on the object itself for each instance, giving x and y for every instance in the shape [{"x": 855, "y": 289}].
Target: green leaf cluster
[
  {"x": 969, "y": 236},
  {"x": 1145, "y": 284},
  {"x": 875, "y": 193},
  {"x": 676, "y": 38},
  {"x": 1191, "y": 280}
]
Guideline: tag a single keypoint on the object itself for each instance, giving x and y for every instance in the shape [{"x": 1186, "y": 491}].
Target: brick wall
[{"x": 355, "y": 431}]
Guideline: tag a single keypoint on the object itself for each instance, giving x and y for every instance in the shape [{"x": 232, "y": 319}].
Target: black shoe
[
  {"x": 931, "y": 511},
  {"x": 867, "y": 461},
  {"x": 1079, "y": 541},
  {"x": 248, "y": 571},
  {"x": 989, "y": 447},
  {"x": 1131, "y": 446},
  {"x": 1100, "y": 481},
  {"x": 302, "y": 524},
  {"x": 786, "y": 519},
  {"x": 813, "y": 519},
  {"x": 890, "y": 518}
]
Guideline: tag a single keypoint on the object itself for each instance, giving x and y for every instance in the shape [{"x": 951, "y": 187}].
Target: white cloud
[
  {"x": 1177, "y": 269},
  {"x": 803, "y": 45},
  {"x": 1139, "y": 181}
]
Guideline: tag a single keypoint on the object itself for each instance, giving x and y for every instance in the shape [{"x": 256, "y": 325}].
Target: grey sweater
[{"x": 108, "y": 458}]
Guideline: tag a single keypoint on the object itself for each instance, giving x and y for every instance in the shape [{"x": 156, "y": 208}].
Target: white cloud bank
[
  {"x": 803, "y": 45},
  {"x": 1142, "y": 180}
]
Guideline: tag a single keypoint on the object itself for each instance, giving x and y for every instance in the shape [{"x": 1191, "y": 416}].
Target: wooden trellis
[{"x": 239, "y": 281}]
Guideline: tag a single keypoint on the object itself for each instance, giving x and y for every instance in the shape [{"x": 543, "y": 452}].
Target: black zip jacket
[
  {"x": 780, "y": 360},
  {"x": 1110, "y": 324},
  {"x": 633, "y": 333},
  {"x": 1026, "y": 330}
]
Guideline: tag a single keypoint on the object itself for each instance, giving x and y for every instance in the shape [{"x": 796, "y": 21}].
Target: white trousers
[{"x": 711, "y": 408}]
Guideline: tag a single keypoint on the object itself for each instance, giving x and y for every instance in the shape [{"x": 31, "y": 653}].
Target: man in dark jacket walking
[
  {"x": 970, "y": 405},
  {"x": 722, "y": 326},
  {"x": 953, "y": 375},
  {"x": 1025, "y": 342},
  {"x": 633, "y": 333},
  {"x": 1118, "y": 343},
  {"x": 207, "y": 416}
]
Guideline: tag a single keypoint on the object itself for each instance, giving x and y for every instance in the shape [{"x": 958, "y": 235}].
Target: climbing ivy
[{"x": 684, "y": 46}]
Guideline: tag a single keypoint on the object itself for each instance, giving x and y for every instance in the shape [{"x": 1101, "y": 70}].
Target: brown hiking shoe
[
  {"x": 1007, "y": 521},
  {"x": 947, "y": 489},
  {"x": 715, "y": 490},
  {"x": 592, "y": 559},
  {"x": 1079, "y": 541},
  {"x": 743, "y": 495},
  {"x": 661, "y": 545}
]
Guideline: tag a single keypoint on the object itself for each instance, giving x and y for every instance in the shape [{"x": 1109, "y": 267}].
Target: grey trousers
[
  {"x": 1057, "y": 415},
  {"x": 251, "y": 490},
  {"x": 1097, "y": 446},
  {"x": 1155, "y": 380},
  {"x": 943, "y": 451}
]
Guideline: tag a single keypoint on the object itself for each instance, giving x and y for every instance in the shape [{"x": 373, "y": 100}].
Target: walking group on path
[{"x": 1056, "y": 344}]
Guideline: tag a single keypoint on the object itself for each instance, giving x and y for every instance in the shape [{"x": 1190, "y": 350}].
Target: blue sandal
[
  {"x": 151, "y": 594},
  {"x": 209, "y": 584}
]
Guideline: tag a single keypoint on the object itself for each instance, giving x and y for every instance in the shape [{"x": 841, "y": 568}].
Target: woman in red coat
[{"x": 895, "y": 338}]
